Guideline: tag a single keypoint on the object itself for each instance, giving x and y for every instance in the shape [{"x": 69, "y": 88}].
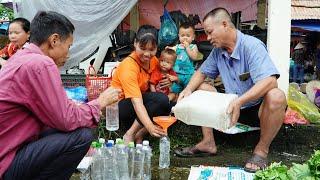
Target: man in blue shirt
[{"x": 246, "y": 69}]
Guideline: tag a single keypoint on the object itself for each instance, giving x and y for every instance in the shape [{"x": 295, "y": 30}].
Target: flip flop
[
  {"x": 191, "y": 152},
  {"x": 257, "y": 160}
]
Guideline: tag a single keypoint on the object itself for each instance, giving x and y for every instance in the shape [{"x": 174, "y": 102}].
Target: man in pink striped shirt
[{"x": 32, "y": 98}]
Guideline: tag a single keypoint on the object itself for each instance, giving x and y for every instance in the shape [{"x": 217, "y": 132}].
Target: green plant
[
  {"x": 6, "y": 13},
  {"x": 276, "y": 171},
  {"x": 314, "y": 164}
]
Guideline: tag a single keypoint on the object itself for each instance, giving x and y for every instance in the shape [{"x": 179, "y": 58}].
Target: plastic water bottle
[
  {"x": 137, "y": 172},
  {"x": 97, "y": 165},
  {"x": 122, "y": 163},
  {"x": 164, "y": 158},
  {"x": 112, "y": 117},
  {"x": 110, "y": 170},
  {"x": 147, "y": 160},
  {"x": 130, "y": 157}
]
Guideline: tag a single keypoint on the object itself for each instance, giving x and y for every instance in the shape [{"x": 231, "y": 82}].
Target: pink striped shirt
[{"x": 32, "y": 98}]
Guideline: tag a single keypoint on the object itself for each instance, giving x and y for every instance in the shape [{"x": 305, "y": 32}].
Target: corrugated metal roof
[{"x": 305, "y": 9}]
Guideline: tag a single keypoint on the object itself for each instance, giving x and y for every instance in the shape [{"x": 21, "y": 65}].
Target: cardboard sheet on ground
[
  {"x": 219, "y": 173},
  {"x": 209, "y": 109}
]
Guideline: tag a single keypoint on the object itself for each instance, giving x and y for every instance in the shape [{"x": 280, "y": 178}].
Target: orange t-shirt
[{"x": 131, "y": 78}]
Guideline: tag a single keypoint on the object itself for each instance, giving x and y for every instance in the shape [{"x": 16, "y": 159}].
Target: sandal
[
  {"x": 191, "y": 152},
  {"x": 257, "y": 160}
]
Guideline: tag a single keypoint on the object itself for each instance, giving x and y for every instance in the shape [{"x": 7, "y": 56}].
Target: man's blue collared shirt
[{"x": 249, "y": 56}]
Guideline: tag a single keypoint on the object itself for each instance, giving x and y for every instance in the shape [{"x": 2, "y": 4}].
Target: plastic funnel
[{"x": 164, "y": 121}]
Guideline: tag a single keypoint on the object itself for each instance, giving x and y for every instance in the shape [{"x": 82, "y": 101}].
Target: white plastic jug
[{"x": 204, "y": 108}]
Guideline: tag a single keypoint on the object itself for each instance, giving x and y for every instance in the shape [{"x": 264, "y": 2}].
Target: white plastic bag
[{"x": 204, "y": 108}]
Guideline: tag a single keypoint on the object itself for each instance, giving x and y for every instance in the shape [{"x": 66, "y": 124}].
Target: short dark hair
[
  {"x": 186, "y": 25},
  {"x": 217, "y": 12},
  {"x": 46, "y": 23},
  {"x": 147, "y": 34},
  {"x": 170, "y": 52},
  {"x": 25, "y": 23}
]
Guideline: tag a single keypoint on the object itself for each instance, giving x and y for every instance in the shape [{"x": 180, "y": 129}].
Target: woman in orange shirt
[
  {"x": 139, "y": 105},
  {"x": 19, "y": 33}
]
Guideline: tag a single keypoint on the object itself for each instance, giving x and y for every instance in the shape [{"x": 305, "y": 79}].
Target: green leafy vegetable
[
  {"x": 314, "y": 164},
  {"x": 300, "y": 172},
  {"x": 276, "y": 171}
]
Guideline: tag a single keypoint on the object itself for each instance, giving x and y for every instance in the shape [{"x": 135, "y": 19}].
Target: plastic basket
[
  {"x": 95, "y": 84},
  {"x": 73, "y": 80}
]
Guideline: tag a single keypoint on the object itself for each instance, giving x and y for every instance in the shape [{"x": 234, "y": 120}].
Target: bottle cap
[
  {"x": 109, "y": 144},
  {"x": 111, "y": 141},
  {"x": 131, "y": 145},
  {"x": 145, "y": 143},
  {"x": 102, "y": 140},
  {"x": 138, "y": 145}
]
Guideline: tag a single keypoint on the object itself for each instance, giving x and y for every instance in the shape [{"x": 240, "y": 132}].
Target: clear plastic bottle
[
  {"x": 147, "y": 160},
  {"x": 112, "y": 117},
  {"x": 122, "y": 162},
  {"x": 137, "y": 172},
  {"x": 164, "y": 158},
  {"x": 97, "y": 165},
  {"x": 131, "y": 150},
  {"x": 110, "y": 170}
]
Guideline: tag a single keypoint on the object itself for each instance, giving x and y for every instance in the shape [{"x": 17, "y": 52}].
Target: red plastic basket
[{"x": 95, "y": 84}]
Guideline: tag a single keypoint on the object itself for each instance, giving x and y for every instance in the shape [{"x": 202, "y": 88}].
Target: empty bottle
[
  {"x": 112, "y": 117},
  {"x": 122, "y": 162},
  {"x": 97, "y": 165},
  {"x": 137, "y": 172},
  {"x": 130, "y": 156},
  {"x": 110, "y": 169},
  {"x": 164, "y": 158},
  {"x": 147, "y": 160}
]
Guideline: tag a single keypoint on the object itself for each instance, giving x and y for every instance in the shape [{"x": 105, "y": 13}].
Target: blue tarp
[{"x": 309, "y": 25}]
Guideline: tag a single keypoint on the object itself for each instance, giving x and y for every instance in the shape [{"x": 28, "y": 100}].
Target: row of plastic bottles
[{"x": 121, "y": 162}]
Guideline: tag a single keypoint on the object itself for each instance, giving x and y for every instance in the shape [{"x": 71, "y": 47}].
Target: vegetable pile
[{"x": 309, "y": 170}]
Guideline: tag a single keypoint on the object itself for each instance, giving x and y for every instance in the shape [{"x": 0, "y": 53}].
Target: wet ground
[{"x": 292, "y": 144}]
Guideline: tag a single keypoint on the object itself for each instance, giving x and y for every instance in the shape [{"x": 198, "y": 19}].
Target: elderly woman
[{"x": 139, "y": 105}]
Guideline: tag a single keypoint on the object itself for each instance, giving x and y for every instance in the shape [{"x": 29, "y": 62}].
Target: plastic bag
[
  {"x": 293, "y": 117},
  {"x": 299, "y": 102},
  {"x": 168, "y": 32},
  {"x": 317, "y": 98},
  {"x": 77, "y": 94}
]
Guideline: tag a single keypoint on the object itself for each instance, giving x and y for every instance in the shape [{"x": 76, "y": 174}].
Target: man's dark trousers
[{"x": 54, "y": 156}]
